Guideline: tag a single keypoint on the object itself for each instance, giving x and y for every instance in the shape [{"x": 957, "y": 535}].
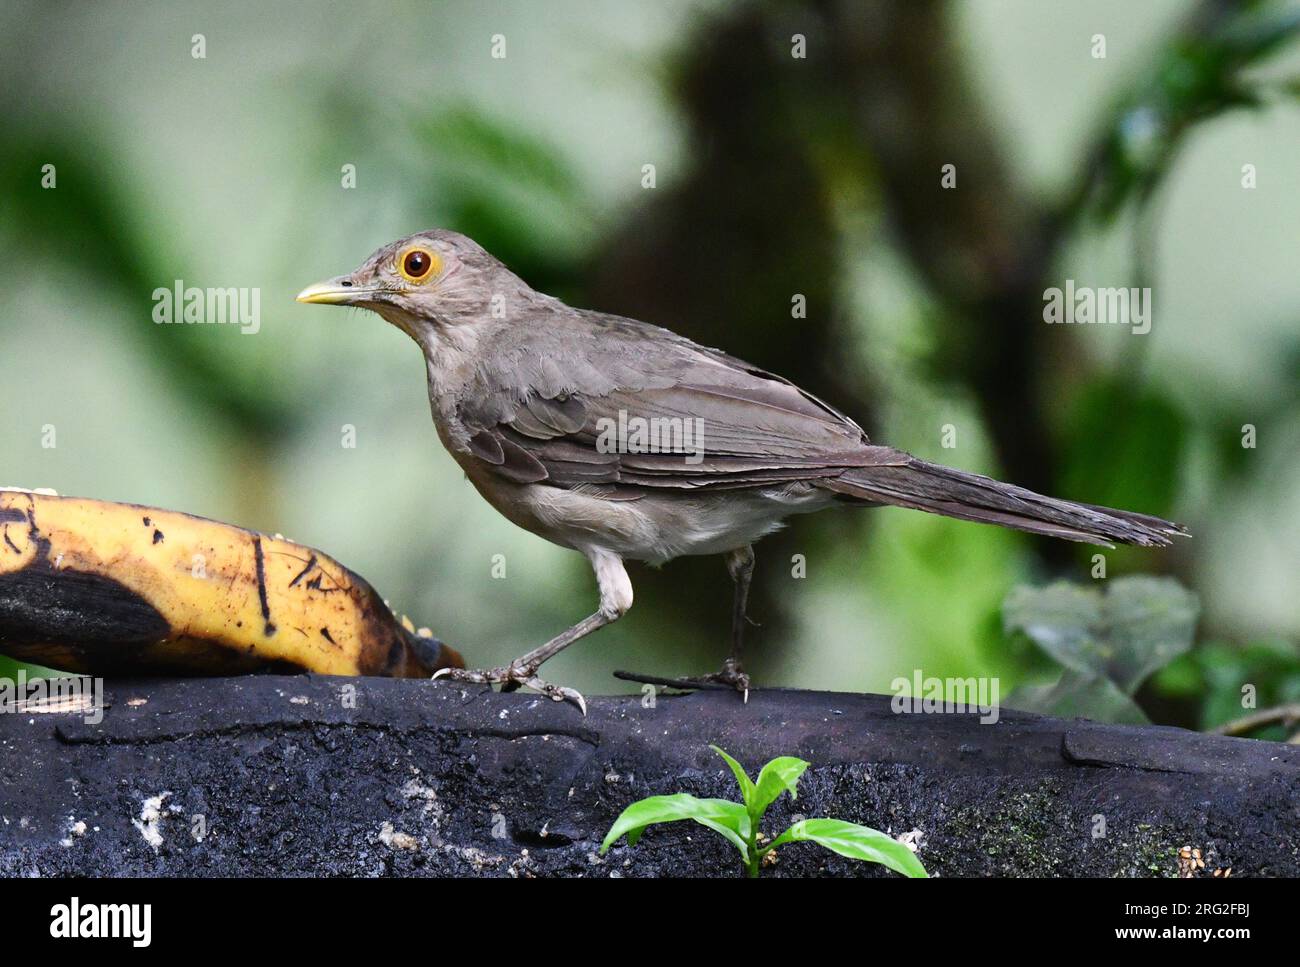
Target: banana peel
[{"x": 105, "y": 588}]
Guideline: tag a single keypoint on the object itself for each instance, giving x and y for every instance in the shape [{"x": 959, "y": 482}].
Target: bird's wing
[{"x": 621, "y": 406}]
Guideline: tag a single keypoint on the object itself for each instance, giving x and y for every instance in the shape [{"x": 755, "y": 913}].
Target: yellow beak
[{"x": 332, "y": 293}]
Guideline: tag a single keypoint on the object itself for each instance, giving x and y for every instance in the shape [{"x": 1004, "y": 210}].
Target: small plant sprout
[{"x": 738, "y": 822}]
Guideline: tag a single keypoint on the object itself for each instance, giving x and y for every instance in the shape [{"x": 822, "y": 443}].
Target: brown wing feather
[{"x": 754, "y": 429}]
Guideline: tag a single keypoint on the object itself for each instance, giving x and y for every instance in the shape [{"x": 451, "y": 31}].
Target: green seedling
[{"x": 738, "y": 822}]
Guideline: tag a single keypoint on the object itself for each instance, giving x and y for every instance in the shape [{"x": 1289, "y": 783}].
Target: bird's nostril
[{"x": 347, "y": 284}]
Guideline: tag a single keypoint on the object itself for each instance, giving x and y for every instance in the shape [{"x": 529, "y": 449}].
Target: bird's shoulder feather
[{"x": 545, "y": 389}]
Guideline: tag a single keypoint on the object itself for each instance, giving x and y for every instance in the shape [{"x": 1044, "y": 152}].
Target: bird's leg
[
  {"x": 615, "y": 600},
  {"x": 740, "y": 564}
]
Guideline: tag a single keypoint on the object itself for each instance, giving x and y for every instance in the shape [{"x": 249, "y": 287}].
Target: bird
[{"x": 626, "y": 441}]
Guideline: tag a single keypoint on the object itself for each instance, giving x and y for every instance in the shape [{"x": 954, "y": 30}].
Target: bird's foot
[
  {"x": 732, "y": 677},
  {"x": 511, "y": 677},
  {"x": 733, "y": 674}
]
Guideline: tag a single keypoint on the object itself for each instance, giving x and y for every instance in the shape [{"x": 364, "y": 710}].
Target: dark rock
[{"x": 263, "y": 775}]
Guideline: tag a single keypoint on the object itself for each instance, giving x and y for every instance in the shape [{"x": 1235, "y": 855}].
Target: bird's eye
[{"x": 417, "y": 264}]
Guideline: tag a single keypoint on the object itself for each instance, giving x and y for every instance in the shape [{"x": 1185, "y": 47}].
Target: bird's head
[{"x": 423, "y": 283}]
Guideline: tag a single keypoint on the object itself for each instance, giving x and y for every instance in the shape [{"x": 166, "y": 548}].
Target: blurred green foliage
[
  {"x": 1201, "y": 74},
  {"x": 1212, "y": 679},
  {"x": 85, "y": 213},
  {"x": 1106, "y": 639},
  {"x": 1128, "y": 445}
]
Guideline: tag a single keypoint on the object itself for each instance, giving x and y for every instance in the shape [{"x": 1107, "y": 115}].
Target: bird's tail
[{"x": 968, "y": 496}]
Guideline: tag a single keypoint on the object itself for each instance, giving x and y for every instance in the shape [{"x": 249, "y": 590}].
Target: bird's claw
[
  {"x": 511, "y": 677},
  {"x": 734, "y": 675}
]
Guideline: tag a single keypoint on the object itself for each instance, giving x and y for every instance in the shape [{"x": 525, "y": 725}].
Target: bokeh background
[{"x": 775, "y": 175}]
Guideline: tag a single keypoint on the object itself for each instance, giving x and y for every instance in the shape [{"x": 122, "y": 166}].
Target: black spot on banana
[{"x": 105, "y": 588}]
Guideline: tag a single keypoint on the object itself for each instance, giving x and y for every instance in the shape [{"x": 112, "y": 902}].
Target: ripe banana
[{"x": 105, "y": 588}]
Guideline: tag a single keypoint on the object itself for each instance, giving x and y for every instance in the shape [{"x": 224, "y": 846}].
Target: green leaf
[
  {"x": 1060, "y": 619},
  {"x": 1138, "y": 626},
  {"x": 1075, "y": 695},
  {"x": 8, "y": 668},
  {"x": 856, "y": 842},
  {"x": 727, "y": 818},
  {"x": 742, "y": 778},
  {"x": 1151, "y": 621},
  {"x": 778, "y": 776}
]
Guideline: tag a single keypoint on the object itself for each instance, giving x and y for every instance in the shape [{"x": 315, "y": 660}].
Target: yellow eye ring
[{"x": 418, "y": 264}]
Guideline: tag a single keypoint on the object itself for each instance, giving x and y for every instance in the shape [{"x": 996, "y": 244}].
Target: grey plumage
[{"x": 523, "y": 387}]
